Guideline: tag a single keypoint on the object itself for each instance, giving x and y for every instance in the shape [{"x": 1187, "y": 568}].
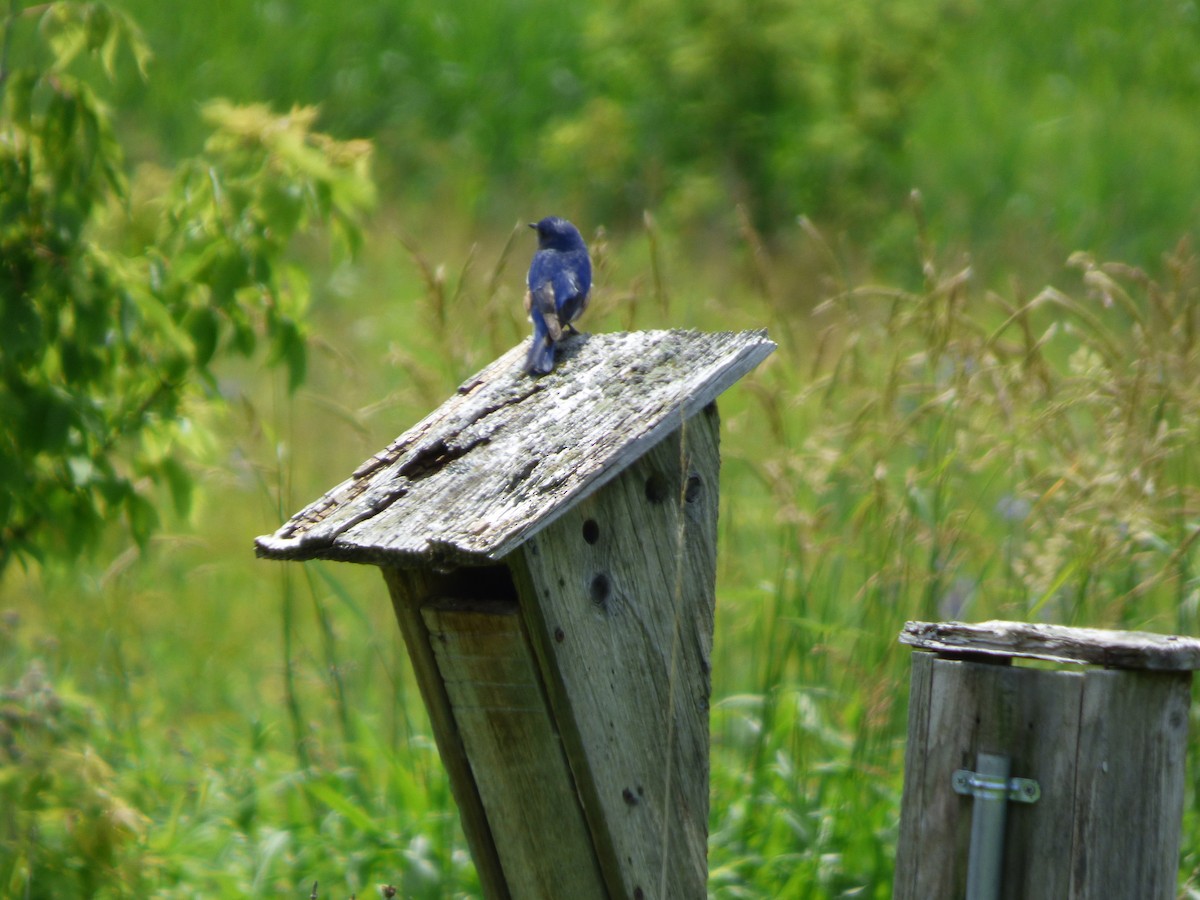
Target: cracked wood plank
[
  {"x": 508, "y": 454},
  {"x": 1058, "y": 643}
]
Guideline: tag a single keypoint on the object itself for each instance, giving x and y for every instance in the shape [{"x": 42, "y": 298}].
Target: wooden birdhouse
[
  {"x": 549, "y": 545},
  {"x": 1061, "y": 778}
]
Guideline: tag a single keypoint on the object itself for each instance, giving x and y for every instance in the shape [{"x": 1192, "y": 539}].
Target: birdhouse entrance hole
[{"x": 472, "y": 587}]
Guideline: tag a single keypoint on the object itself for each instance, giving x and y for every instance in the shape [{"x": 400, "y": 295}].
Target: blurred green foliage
[
  {"x": 110, "y": 324},
  {"x": 1024, "y": 126},
  {"x": 782, "y": 107},
  {"x": 455, "y": 95},
  {"x": 611, "y": 107},
  {"x": 66, "y": 830},
  {"x": 1071, "y": 121},
  {"x": 939, "y": 449}
]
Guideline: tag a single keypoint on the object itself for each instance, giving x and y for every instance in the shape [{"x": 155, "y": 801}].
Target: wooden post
[
  {"x": 624, "y": 629},
  {"x": 1105, "y": 746},
  {"x": 550, "y": 550}
]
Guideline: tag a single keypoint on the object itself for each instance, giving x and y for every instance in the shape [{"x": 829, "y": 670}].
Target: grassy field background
[{"x": 985, "y": 403}]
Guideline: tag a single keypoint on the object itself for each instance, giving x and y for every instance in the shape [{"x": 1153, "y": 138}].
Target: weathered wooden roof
[
  {"x": 1058, "y": 643},
  {"x": 507, "y": 454}
]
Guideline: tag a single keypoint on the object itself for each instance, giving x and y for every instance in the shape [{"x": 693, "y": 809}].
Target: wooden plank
[
  {"x": 517, "y": 759},
  {"x": 1029, "y": 715},
  {"x": 939, "y": 831},
  {"x": 1130, "y": 789},
  {"x": 908, "y": 847},
  {"x": 408, "y": 589},
  {"x": 1107, "y": 749},
  {"x": 509, "y": 453},
  {"x": 623, "y": 625},
  {"x": 1045, "y": 729},
  {"x": 1057, "y": 643}
]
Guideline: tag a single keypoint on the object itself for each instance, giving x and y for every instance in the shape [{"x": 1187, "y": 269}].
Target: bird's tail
[{"x": 540, "y": 360}]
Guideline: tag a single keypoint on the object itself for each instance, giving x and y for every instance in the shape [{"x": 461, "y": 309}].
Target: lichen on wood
[{"x": 508, "y": 453}]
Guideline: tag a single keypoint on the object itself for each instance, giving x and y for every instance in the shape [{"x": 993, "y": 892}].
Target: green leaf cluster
[{"x": 108, "y": 341}]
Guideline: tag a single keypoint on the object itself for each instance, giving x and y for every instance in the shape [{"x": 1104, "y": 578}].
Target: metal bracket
[
  {"x": 992, "y": 787},
  {"x": 992, "y": 790}
]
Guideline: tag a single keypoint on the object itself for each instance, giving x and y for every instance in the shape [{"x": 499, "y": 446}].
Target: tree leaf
[
  {"x": 181, "y": 484},
  {"x": 142, "y": 517},
  {"x": 203, "y": 325}
]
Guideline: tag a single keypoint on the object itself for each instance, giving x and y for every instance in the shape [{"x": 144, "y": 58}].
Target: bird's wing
[
  {"x": 542, "y": 301},
  {"x": 572, "y": 285}
]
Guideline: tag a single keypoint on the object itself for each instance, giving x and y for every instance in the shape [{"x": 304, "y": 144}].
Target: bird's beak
[{"x": 533, "y": 224}]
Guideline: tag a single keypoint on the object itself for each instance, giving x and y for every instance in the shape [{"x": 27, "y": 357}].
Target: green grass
[
  {"x": 199, "y": 723},
  {"x": 952, "y": 441}
]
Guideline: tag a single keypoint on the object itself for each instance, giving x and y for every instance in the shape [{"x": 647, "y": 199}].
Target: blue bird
[{"x": 560, "y": 278}]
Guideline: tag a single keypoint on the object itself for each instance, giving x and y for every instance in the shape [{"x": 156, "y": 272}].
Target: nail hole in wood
[
  {"x": 601, "y": 589},
  {"x": 657, "y": 489},
  {"x": 591, "y": 531}
]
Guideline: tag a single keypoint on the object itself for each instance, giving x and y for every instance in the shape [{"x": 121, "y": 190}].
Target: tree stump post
[
  {"x": 1093, "y": 802},
  {"x": 549, "y": 546}
]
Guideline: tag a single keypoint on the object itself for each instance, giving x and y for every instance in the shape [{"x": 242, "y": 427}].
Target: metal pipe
[{"x": 986, "y": 859}]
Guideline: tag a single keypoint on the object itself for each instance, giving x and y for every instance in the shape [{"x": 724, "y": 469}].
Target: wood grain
[
  {"x": 623, "y": 621},
  {"x": 507, "y": 454},
  {"x": 409, "y": 589},
  {"x": 1058, "y": 643},
  {"x": 1107, "y": 749},
  {"x": 550, "y": 549},
  {"x": 1130, "y": 785},
  {"x": 517, "y": 759}
]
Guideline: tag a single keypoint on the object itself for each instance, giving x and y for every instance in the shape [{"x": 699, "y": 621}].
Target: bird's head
[{"x": 555, "y": 233}]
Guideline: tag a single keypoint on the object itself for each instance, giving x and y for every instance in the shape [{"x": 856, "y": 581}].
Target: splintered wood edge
[
  {"x": 1058, "y": 643},
  {"x": 751, "y": 348}
]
